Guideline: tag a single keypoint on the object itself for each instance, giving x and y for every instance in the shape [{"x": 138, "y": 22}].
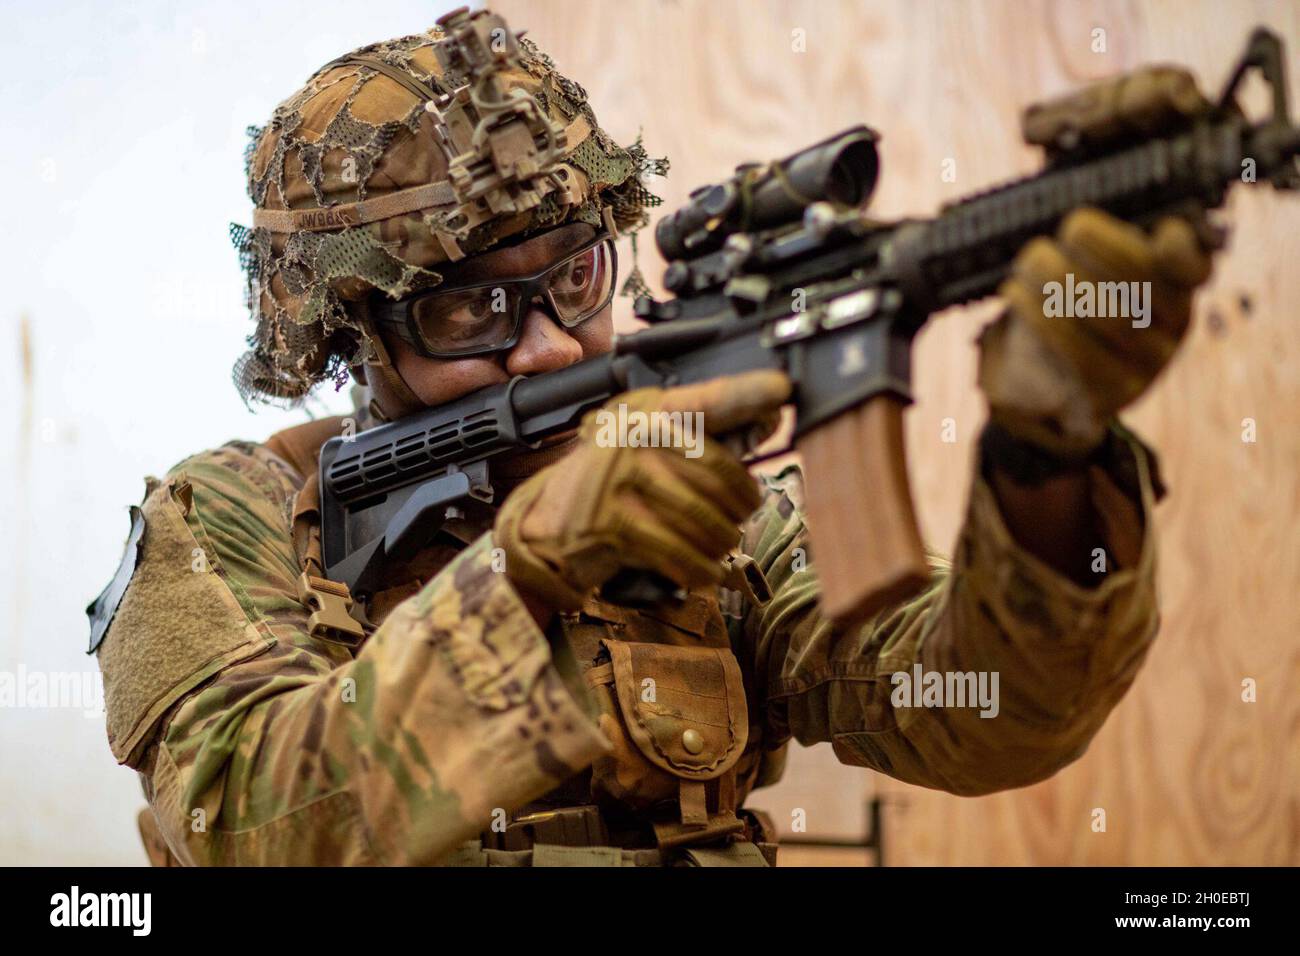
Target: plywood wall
[{"x": 1186, "y": 771}]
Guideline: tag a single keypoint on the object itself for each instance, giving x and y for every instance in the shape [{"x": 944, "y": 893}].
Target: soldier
[{"x": 488, "y": 707}]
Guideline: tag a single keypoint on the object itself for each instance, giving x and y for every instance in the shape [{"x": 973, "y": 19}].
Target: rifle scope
[{"x": 840, "y": 170}]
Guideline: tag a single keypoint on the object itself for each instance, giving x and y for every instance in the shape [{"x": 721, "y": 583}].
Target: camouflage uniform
[
  {"x": 297, "y": 750},
  {"x": 259, "y": 741}
]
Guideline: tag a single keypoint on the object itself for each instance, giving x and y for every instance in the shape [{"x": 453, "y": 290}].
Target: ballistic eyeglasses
[{"x": 480, "y": 318}]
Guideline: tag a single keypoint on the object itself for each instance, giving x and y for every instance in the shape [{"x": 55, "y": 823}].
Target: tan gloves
[
  {"x": 616, "y": 503},
  {"x": 1095, "y": 313},
  {"x": 1055, "y": 376}
]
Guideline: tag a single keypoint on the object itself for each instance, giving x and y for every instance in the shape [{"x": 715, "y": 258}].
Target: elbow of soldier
[{"x": 1014, "y": 767}]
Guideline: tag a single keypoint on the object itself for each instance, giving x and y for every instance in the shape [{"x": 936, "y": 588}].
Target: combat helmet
[{"x": 401, "y": 156}]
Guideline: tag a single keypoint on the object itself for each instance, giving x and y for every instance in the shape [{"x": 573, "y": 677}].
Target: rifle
[{"x": 778, "y": 267}]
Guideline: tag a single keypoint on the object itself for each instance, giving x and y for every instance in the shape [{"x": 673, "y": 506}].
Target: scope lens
[{"x": 852, "y": 174}]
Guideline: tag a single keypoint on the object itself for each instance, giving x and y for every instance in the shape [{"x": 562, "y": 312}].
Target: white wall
[{"x": 122, "y": 165}]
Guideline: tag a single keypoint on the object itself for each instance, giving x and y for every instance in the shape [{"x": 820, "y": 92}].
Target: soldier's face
[{"x": 544, "y": 345}]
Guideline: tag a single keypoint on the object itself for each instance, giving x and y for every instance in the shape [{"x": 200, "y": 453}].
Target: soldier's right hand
[{"x": 616, "y": 502}]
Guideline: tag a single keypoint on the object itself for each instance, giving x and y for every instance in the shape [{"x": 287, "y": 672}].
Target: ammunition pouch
[{"x": 678, "y": 722}]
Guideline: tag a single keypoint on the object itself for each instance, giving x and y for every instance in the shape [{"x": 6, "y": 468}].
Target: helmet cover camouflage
[{"x": 398, "y": 157}]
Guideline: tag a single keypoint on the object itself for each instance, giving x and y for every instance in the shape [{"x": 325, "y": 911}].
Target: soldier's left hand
[{"x": 1057, "y": 380}]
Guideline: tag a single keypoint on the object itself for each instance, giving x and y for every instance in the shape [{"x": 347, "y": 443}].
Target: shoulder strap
[
  {"x": 300, "y": 445},
  {"x": 330, "y": 601}
]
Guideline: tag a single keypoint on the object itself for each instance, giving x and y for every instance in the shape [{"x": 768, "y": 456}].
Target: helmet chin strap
[{"x": 381, "y": 364}]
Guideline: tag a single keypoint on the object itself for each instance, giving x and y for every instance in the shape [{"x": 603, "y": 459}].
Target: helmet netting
[{"x": 298, "y": 283}]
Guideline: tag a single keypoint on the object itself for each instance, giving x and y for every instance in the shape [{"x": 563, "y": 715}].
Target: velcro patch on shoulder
[{"x": 177, "y": 623}]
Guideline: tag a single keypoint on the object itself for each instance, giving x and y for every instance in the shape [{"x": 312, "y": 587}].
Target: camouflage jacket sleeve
[
  {"x": 1063, "y": 655},
  {"x": 289, "y": 751}
]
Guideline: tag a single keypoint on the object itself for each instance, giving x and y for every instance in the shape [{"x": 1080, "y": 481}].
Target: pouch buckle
[
  {"x": 330, "y": 602},
  {"x": 670, "y": 834}
]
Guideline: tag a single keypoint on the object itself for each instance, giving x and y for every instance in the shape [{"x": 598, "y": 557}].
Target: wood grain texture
[{"x": 1186, "y": 771}]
